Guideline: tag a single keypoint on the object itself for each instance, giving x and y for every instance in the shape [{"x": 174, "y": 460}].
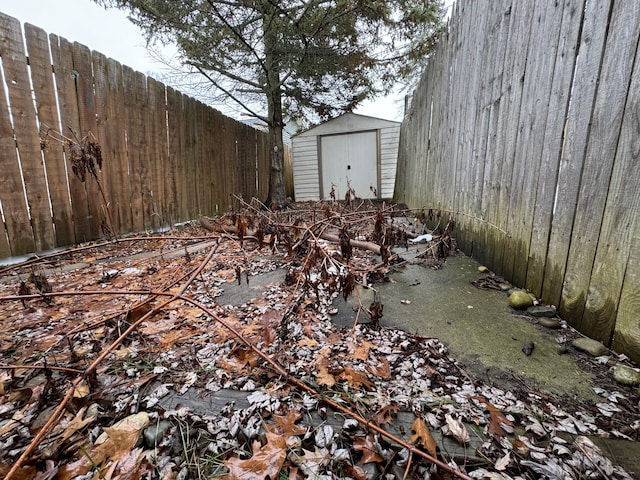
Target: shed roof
[{"x": 347, "y": 122}]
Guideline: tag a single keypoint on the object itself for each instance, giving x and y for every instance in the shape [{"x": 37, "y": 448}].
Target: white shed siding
[
  {"x": 306, "y": 161},
  {"x": 306, "y": 180},
  {"x": 389, "y": 138}
]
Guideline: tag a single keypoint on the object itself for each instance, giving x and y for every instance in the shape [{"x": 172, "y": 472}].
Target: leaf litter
[{"x": 94, "y": 339}]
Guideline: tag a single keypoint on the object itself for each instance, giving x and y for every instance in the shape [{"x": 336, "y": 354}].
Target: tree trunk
[{"x": 277, "y": 196}]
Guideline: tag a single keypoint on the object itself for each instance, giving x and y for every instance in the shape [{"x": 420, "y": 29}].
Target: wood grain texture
[
  {"x": 618, "y": 223},
  {"x": 525, "y": 122},
  {"x": 26, "y": 128},
  {"x": 627, "y": 334},
  {"x": 62, "y": 54},
  {"x": 575, "y": 282},
  {"x": 552, "y": 138},
  {"x": 166, "y": 157},
  {"x": 82, "y": 65},
  {"x": 602, "y": 143},
  {"x": 47, "y": 111},
  {"x": 172, "y": 183},
  {"x": 19, "y": 239}
]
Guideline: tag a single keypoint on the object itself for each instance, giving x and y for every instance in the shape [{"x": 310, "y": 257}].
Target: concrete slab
[{"x": 478, "y": 326}]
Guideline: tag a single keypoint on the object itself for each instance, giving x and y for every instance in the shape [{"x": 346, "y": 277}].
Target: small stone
[
  {"x": 542, "y": 311},
  {"x": 626, "y": 375},
  {"x": 520, "y": 300},
  {"x": 590, "y": 346},
  {"x": 333, "y": 311},
  {"x": 154, "y": 433},
  {"x": 549, "y": 322},
  {"x": 505, "y": 287},
  {"x": 528, "y": 347},
  {"x": 483, "y": 269}
]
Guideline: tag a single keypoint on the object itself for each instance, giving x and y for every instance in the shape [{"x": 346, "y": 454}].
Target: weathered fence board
[
  {"x": 525, "y": 126},
  {"x": 45, "y": 97},
  {"x": 560, "y": 89},
  {"x": 627, "y": 336},
  {"x": 26, "y": 133},
  {"x": 156, "y": 119},
  {"x": 516, "y": 61},
  {"x": 600, "y": 153},
  {"x": 176, "y": 154},
  {"x": 117, "y": 164},
  {"x": 575, "y": 282},
  {"x": 615, "y": 236},
  {"x": 20, "y": 236},
  {"x": 83, "y": 72},
  {"x": 61, "y": 52},
  {"x": 167, "y": 158}
]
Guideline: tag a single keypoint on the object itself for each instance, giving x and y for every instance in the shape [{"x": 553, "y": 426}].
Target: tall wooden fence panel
[
  {"x": 525, "y": 130},
  {"x": 167, "y": 158}
]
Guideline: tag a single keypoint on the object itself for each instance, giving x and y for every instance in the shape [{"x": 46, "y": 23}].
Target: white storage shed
[{"x": 349, "y": 150}]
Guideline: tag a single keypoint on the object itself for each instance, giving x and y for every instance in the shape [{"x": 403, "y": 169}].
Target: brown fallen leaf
[
  {"x": 323, "y": 377},
  {"x": 286, "y": 424},
  {"x": 312, "y": 462},
  {"x": 354, "y": 378},
  {"x": 368, "y": 448},
  {"x": 383, "y": 415},
  {"x": 423, "y": 434},
  {"x": 308, "y": 342},
  {"x": 115, "y": 443},
  {"x": 360, "y": 349},
  {"x": 24, "y": 473},
  {"x": 266, "y": 462},
  {"x": 496, "y": 418},
  {"x": 382, "y": 371},
  {"x": 457, "y": 429}
]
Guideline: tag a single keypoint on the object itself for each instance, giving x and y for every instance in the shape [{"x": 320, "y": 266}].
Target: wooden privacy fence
[
  {"x": 166, "y": 157},
  {"x": 526, "y": 123}
]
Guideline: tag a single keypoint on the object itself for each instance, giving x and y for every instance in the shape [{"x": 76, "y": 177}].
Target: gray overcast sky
[{"x": 109, "y": 32}]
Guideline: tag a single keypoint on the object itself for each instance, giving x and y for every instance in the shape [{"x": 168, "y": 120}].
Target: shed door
[{"x": 351, "y": 158}]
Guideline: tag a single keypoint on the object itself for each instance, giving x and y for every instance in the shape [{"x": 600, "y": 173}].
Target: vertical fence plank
[
  {"x": 156, "y": 134},
  {"x": 65, "y": 74},
  {"x": 229, "y": 146},
  {"x": 20, "y": 235},
  {"x": 613, "y": 88},
  {"x": 263, "y": 166},
  {"x": 134, "y": 91},
  {"x": 520, "y": 42},
  {"x": 488, "y": 199},
  {"x": 26, "y": 131},
  {"x": 119, "y": 164},
  {"x": 465, "y": 176},
  {"x": 82, "y": 66},
  {"x": 108, "y": 138},
  {"x": 173, "y": 181},
  {"x": 210, "y": 160},
  {"x": 627, "y": 334},
  {"x": 190, "y": 171},
  {"x": 532, "y": 124},
  {"x": 47, "y": 111},
  {"x": 200, "y": 179},
  {"x": 241, "y": 174},
  {"x": 217, "y": 178},
  {"x": 571, "y": 162},
  {"x": 623, "y": 203},
  {"x": 560, "y": 89}
]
